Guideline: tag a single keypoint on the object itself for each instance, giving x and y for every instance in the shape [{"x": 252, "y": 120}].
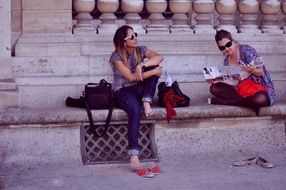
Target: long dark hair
[
  {"x": 220, "y": 34},
  {"x": 119, "y": 43}
]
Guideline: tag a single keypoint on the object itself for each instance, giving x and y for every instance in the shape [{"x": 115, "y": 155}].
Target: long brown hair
[{"x": 119, "y": 43}]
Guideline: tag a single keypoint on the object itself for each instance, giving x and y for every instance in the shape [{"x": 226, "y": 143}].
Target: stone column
[
  {"x": 108, "y": 8},
  {"x": 249, "y": 16},
  {"x": 132, "y": 18},
  {"x": 83, "y": 8},
  {"x": 270, "y": 22},
  {"x": 283, "y": 5},
  {"x": 180, "y": 19},
  {"x": 204, "y": 19},
  {"x": 8, "y": 89},
  {"x": 226, "y": 10},
  {"x": 157, "y": 20}
]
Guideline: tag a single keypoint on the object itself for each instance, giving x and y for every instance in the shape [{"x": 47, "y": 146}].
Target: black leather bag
[
  {"x": 183, "y": 101},
  {"x": 95, "y": 96},
  {"x": 98, "y": 96}
]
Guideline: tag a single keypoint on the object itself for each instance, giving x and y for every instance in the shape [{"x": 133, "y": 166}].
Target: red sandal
[
  {"x": 144, "y": 173},
  {"x": 155, "y": 169}
]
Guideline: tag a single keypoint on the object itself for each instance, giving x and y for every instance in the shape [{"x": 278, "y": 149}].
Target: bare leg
[
  {"x": 147, "y": 109},
  {"x": 134, "y": 162}
]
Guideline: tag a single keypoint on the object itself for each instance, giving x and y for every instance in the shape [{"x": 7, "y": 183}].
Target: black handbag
[
  {"x": 182, "y": 101},
  {"x": 95, "y": 96},
  {"x": 98, "y": 96}
]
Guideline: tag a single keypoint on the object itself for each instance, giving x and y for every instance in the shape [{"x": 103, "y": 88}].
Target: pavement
[{"x": 184, "y": 171}]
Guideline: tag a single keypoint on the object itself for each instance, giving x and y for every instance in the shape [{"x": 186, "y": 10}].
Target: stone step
[
  {"x": 60, "y": 143},
  {"x": 58, "y": 45},
  {"x": 11, "y": 98},
  {"x": 67, "y": 75},
  {"x": 42, "y": 66},
  {"x": 7, "y": 84},
  {"x": 54, "y": 96}
]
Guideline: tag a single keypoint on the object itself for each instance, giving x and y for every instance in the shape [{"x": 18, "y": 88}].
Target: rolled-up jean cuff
[
  {"x": 133, "y": 152},
  {"x": 147, "y": 99}
]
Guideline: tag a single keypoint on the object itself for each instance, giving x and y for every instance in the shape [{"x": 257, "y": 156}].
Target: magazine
[{"x": 224, "y": 73}]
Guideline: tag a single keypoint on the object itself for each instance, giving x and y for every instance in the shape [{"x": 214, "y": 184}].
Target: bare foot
[
  {"x": 134, "y": 162},
  {"x": 147, "y": 109}
]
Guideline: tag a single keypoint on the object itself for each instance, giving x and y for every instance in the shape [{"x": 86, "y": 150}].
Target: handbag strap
[{"x": 107, "y": 121}]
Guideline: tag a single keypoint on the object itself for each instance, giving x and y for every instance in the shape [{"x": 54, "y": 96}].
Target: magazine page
[{"x": 223, "y": 73}]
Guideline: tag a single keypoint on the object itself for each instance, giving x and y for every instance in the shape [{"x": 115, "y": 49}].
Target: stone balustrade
[{"x": 192, "y": 16}]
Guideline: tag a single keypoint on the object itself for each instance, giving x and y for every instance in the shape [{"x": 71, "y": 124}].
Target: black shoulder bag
[{"x": 98, "y": 96}]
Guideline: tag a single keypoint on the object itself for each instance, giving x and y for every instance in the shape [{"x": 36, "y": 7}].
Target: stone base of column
[
  {"x": 157, "y": 29},
  {"x": 107, "y": 28},
  {"x": 137, "y": 28},
  {"x": 204, "y": 29},
  {"x": 84, "y": 30},
  {"x": 181, "y": 29},
  {"x": 230, "y": 28},
  {"x": 249, "y": 29},
  {"x": 271, "y": 29}
]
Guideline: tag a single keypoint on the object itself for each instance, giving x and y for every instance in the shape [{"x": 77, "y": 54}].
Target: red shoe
[
  {"x": 155, "y": 169},
  {"x": 144, "y": 173}
]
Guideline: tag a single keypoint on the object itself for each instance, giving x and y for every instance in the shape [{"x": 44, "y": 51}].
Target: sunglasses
[
  {"x": 227, "y": 45},
  {"x": 131, "y": 37}
]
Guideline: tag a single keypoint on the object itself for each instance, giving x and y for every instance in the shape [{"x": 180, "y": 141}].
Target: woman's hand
[
  {"x": 247, "y": 67},
  {"x": 258, "y": 71},
  {"x": 138, "y": 73}
]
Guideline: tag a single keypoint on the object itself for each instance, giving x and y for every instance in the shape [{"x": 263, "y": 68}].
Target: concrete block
[
  {"x": 47, "y": 5},
  {"x": 47, "y": 21}
]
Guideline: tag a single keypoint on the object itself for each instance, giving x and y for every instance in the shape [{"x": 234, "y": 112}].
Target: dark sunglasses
[
  {"x": 131, "y": 37},
  {"x": 227, "y": 45}
]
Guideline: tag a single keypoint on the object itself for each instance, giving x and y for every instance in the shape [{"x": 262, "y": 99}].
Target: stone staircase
[{"x": 47, "y": 69}]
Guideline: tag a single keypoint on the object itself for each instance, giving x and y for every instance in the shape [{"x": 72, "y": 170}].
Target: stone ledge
[{"x": 67, "y": 115}]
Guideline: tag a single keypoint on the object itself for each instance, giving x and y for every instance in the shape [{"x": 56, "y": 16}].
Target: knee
[
  {"x": 213, "y": 89},
  {"x": 261, "y": 100}
]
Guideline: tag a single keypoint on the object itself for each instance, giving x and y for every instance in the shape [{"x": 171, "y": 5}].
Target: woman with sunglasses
[
  {"x": 243, "y": 56},
  {"x": 136, "y": 72}
]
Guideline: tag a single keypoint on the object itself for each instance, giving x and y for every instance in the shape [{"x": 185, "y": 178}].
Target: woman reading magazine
[{"x": 255, "y": 88}]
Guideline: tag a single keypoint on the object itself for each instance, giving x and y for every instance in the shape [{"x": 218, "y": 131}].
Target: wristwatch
[{"x": 143, "y": 67}]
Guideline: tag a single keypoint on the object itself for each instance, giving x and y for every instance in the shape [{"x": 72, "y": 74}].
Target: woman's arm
[
  {"x": 153, "y": 58},
  {"x": 156, "y": 71},
  {"x": 250, "y": 55},
  {"x": 126, "y": 72},
  {"x": 258, "y": 71}
]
